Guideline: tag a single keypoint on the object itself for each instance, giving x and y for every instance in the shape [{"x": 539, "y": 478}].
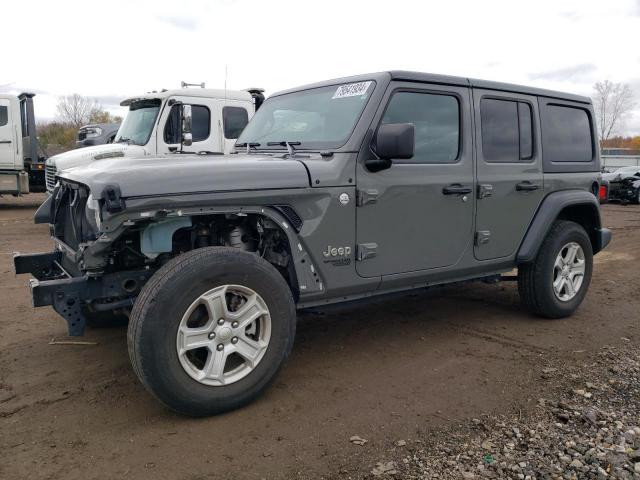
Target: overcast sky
[{"x": 115, "y": 48}]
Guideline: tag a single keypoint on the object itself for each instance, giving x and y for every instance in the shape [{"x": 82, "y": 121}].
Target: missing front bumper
[{"x": 53, "y": 285}]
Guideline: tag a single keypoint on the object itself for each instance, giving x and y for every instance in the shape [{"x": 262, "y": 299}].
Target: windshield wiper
[
  {"x": 128, "y": 141},
  {"x": 284, "y": 143},
  {"x": 249, "y": 145}
]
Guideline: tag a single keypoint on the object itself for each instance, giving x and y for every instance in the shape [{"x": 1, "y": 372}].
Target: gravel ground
[{"x": 589, "y": 428}]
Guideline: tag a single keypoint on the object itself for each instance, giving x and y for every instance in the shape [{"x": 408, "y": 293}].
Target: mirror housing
[
  {"x": 187, "y": 138},
  {"x": 395, "y": 140}
]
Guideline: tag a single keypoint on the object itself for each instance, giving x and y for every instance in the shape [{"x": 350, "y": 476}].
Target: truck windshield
[
  {"x": 318, "y": 118},
  {"x": 138, "y": 124}
]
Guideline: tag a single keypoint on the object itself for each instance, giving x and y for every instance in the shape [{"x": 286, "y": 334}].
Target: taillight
[{"x": 602, "y": 194}]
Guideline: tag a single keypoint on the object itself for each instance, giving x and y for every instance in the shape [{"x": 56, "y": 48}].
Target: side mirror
[
  {"x": 187, "y": 138},
  {"x": 394, "y": 140}
]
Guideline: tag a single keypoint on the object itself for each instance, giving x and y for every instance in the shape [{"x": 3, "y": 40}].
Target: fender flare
[{"x": 547, "y": 213}]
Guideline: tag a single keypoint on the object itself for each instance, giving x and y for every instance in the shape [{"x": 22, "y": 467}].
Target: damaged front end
[
  {"x": 61, "y": 278},
  {"x": 107, "y": 248}
]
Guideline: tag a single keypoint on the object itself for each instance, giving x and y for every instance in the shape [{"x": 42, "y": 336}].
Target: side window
[
  {"x": 567, "y": 134},
  {"x": 200, "y": 124},
  {"x": 436, "y": 119},
  {"x": 507, "y": 132},
  {"x": 526, "y": 131},
  {"x": 234, "y": 120},
  {"x": 4, "y": 115},
  {"x": 23, "y": 118},
  {"x": 172, "y": 127}
]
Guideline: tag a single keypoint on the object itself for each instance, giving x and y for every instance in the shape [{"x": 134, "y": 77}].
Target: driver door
[
  {"x": 418, "y": 214},
  {"x": 204, "y": 130}
]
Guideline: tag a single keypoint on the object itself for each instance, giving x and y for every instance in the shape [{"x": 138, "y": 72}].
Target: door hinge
[
  {"x": 366, "y": 250},
  {"x": 482, "y": 237},
  {"x": 485, "y": 190},
  {"x": 364, "y": 197}
]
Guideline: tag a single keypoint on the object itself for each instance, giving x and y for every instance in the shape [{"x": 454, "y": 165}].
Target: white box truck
[{"x": 21, "y": 170}]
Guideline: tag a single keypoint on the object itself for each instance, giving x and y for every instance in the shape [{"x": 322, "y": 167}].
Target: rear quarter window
[{"x": 567, "y": 138}]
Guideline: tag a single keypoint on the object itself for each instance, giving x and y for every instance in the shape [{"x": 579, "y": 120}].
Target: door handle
[
  {"x": 5, "y": 141},
  {"x": 456, "y": 189},
  {"x": 526, "y": 187}
]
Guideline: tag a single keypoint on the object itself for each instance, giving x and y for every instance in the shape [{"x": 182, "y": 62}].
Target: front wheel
[
  {"x": 555, "y": 283},
  {"x": 211, "y": 329}
]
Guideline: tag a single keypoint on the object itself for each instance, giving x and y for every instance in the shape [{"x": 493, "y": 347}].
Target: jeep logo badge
[
  {"x": 336, "y": 251},
  {"x": 344, "y": 198}
]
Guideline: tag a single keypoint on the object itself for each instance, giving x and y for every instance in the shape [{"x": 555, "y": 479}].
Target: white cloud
[{"x": 137, "y": 46}]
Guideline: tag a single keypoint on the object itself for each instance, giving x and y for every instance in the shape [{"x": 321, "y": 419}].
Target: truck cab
[
  {"x": 20, "y": 167},
  {"x": 152, "y": 127}
]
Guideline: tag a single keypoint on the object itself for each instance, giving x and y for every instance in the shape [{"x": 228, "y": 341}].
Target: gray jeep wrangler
[{"x": 340, "y": 190}]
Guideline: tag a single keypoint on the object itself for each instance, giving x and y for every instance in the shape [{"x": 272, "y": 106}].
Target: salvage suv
[{"x": 338, "y": 191}]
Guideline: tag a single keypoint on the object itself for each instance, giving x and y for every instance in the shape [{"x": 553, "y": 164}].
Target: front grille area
[
  {"x": 50, "y": 177},
  {"x": 68, "y": 215}
]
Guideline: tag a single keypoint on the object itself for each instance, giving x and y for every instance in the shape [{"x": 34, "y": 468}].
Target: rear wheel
[
  {"x": 211, "y": 329},
  {"x": 555, "y": 283}
]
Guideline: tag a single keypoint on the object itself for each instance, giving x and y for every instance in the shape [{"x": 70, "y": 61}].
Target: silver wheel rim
[
  {"x": 223, "y": 335},
  {"x": 568, "y": 271}
]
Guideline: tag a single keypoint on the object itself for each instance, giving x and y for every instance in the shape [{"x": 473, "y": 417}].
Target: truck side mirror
[
  {"x": 394, "y": 140},
  {"x": 187, "y": 138}
]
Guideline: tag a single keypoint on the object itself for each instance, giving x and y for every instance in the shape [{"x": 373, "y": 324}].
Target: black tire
[
  {"x": 163, "y": 301},
  {"x": 636, "y": 199},
  {"x": 107, "y": 319},
  {"x": 535, "y": 279}
]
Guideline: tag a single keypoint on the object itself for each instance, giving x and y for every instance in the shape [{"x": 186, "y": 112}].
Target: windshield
[
  {"x": 318, "y": 118},
  {"x": 138, "y": 124}
]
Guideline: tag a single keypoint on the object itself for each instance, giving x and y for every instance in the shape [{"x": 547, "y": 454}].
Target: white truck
[
  {"x": 21, "y": 170},
  {"x": 194, "y": 120}
]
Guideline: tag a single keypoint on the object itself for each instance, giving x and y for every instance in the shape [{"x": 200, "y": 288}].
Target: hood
[
  {"x": 190, "y": 174},
  {"x": 83, "y": 156}
]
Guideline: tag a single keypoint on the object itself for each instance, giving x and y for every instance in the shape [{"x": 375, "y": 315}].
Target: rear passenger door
[{"x": 508, "y": 170}]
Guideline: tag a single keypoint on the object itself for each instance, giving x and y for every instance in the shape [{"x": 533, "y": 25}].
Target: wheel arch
[
  {"x": 304, "y": 276},
  {"x": 579, "y": 206}
]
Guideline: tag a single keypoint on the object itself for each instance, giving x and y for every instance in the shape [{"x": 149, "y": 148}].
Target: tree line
[{"x": 72, "y": 112}]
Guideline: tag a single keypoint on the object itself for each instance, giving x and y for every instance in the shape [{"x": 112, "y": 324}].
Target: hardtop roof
[{"x": 420, "y": 77}]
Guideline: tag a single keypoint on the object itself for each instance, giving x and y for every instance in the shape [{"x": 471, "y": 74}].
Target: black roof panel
[{"x": 444, "y": 80}]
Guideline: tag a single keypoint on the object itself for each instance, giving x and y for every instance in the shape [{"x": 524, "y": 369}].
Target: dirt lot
[{"x": 404, "y": 368}]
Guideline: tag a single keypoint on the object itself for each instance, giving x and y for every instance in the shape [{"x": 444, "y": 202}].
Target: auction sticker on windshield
[{"x": 351, "y": 90}]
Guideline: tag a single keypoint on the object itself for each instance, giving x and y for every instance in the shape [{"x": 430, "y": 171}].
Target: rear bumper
[{"x": 54, "y": 286}]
